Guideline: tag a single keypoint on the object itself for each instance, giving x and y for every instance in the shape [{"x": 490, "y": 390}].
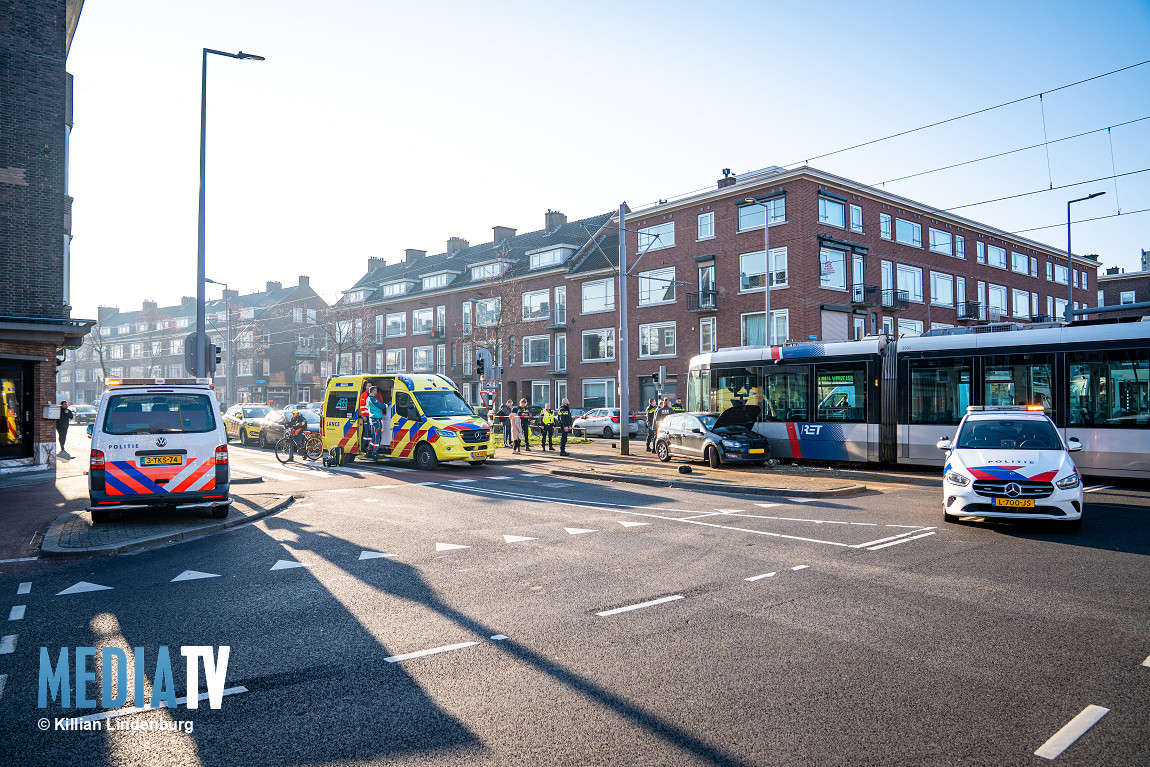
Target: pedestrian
[
  {"x": 364, "y": 414},
  {"x": 504, "y": 416},
  {"x": 564, "y": 426},
  {"x": 664, "y": 410},
  {"x": 652, "y": 408},
  {"x": 516, "y": 429},
  {"x": 547, "y": 417},
  {"x": 678, "y": 406},
  {"x": 62, "y": 424},
  {"x": 525, "y": 423},
  {"x": 376, "y": 409}
]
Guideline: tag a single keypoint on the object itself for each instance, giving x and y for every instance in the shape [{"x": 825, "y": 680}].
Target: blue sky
[{"x": 378, "y": 126}]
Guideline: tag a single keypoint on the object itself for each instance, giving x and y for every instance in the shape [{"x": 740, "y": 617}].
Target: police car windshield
[
  {"x": 440, "y": 404},
  {"x": 159, "y": 413},
  {"x": 1009, "y": 434}
]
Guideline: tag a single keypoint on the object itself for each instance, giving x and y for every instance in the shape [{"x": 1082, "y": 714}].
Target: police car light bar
[
  {"x": 1016, "y": 408},
  {"x": 157, "y": 382}
]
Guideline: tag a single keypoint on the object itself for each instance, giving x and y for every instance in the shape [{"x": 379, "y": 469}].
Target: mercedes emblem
[{"x": 1013, "y": 490}]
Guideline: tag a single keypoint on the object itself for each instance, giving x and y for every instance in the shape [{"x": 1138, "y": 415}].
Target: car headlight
[
  {"x": 731, "y": 444},
  {"x": 1068, "y": 482},
  {"x": 958, "y": 479}
]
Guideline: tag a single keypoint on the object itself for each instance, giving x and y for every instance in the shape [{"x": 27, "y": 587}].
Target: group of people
[
  {"x": 655, "y": 412},
  {"x": 516, "y": 423}
]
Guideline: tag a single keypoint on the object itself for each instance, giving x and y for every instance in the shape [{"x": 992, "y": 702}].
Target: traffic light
[
  {"x": 213, "y": 358},
  {"x": 480, "y": 365},
  {"x": 190, "y": 355}
]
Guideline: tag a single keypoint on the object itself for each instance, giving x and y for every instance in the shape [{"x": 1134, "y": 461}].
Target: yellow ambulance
[{"x": 426, "y": 421}]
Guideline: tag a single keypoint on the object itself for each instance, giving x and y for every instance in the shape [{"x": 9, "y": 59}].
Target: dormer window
[
  {"x": 488, "y": 271},
  {"x": 435, "y": 280},
  {"x": 356, "y": 296},
  {"x": 550, "y": 257},
  {"x": 394, "y": 288}
]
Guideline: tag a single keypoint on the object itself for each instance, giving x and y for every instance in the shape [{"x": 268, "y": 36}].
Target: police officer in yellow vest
[
  {"x": 652, "y": 408},
  {"x": 678, "y": 406},
  {"x": 547, "y": 417}
]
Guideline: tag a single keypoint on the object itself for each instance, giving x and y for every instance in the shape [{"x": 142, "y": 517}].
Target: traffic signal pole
[{"x": 624, "y": 351}]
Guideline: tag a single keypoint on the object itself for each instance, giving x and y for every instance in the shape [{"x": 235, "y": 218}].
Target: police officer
[
  {"x": 565, "y": 422},
  {"x": 652, "y": 408},
  {"x": 678, "y": 406},
  {"x": 525, "y": 416},
  {"x": 547, "y": 417},
  {"x": 504, "y": 416},
  {"x": 62, "y": 422}
]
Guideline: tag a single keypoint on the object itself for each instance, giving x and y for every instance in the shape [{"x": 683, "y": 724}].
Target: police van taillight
[
  {"x": 96, "y": 460},
  {"x": 222, "y": 455}
]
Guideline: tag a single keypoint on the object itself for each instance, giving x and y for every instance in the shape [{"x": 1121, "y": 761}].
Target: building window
[
  {"x": 423, "y": 359},
  {"x": 751, "y": 270},
  {"x": 941, "y": 242},
  {"x": 548, "y": 258},
  {"x": 422, "y": 321},
  {"x": 980, "y": 247},
  {"x": 884, "y": 225},
  {"x": 908, "y": 232},
  {"x": 598, "y": 392},
  {"x": 1033, "y": 266},
  {"x": 856, "y": 218},
  {"x": 959, "y": 246},
  {"x": 1021, "y": 303},
  {"x": 598, "y": 296},
  {"x": 397, "y": 324},
  {"x": 487, "y": 271},
  {"x": 752, "y": 328},
  {"x": 599, "y": 345},
  {"x": 536, "y": 350},
  {"x": 657, "y": 287},
  {"x": 657, "y": 237},
  {"x": 1061, "y": 273},
  {"x": 396, "y": 360},
  {"x": 1127, "y": 297},
  {"x": 540, "y": 393},
  {"x": 832, "y": 269},
  {"x": 394, "y": 289},
  {"x": 832, "y": 212},
  {"x": 1019, "y": 263},
  {"x": 751, "y": 216},
  {"x": 297, "y": 316},
  {"x": 535, "y": 306},
  {"x": 657, "y": 340},
  {"x": 1084, "y": 285},
  {"x": 706, "y": 225},
  {"x": 941, "y": 289},
  {"x": 996, "y": 256},
  {"x": 996, "y": 299},
  {"x": 910, "y": 280},
  {"x": 433, "y": 281},
  {"x": 707, "y": 342},
  {"x": 906, "y": 326},
  {"x": 379, "y": 368},
  {"x": 560, "y": 393},
  {"x": 1074, "y": 276},
  {"x": 888, "y": 326},
  {"x": 1050, "y": 271},
  {"x": 177, "y": 346},
  {"x": 487, "y": 312}
]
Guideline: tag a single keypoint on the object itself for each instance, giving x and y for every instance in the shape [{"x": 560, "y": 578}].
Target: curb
[
  {"x": 50, "y": 550},
  {"x": 246, "y": 480},
  {"x": 714, "y": 487}
]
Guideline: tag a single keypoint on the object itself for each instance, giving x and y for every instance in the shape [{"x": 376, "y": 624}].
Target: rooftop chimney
[
  {"x": 187, "y": 302},
  {"x": 1112, "y": 270},
  {"x": 104, "y": 312},
  {"x": 553, "y": 220},
  {"x": 150, "y": 305},
  {"x": 411, "y": 254},
  {"x": 501, "y": 233},
  {"x": 727, "y": 179},
  {"x": 456, "y": 244},
  {"x": 270, "y": 286},
  {"x": 231, "y": 294},
  {"x": 374, "y": 263},
  {"x": 304, "y": 281}
]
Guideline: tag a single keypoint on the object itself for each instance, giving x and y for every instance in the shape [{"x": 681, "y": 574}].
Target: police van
[
  {"x": 158, "y": 443},
  {"x": 426, "y": 421}
]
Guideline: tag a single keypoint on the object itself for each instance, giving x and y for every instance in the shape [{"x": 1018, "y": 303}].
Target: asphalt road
[{"x": 853, "y": 631}]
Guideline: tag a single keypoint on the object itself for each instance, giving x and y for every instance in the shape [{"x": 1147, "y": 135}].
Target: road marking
[
  {"x": 3, "y": 681},
  {"x": 1146, "y": 662},
  {"x": 116, "y": 713},
  {"x": 432, "y": 651},
  {"x": 374, "y": 555},
  {"x": 517, "y": 538},
  {"x": 730, "y": 511},
  {"x": 1097, "y": 488},
  {"x": 889, "y": 538},
  {"x": 760, "y": 577},
  {"x": 383, "y": 487},
  {"x": 8, "y": 644},
  {"x": 285, "y": 564},
  {"x": 20, "y": 559},
  {"x": 461, "y": 480},
  {"x": 24, "y": 588},
  {"x": 895, "y": 543},
  {"x": 450, "y": 546},
  {"x": 280, "y": 477},
  {"x": 499, "y": 637},
  {"x": 704, "y": 514},
  {"x": 83, "y": 586},
  {"x": 908, "y": 527},
  {"x": 370, "y": 500},
  {"x": 578, "y": 530},
  {"x": 17, "y": 612},
  {"x": 391, "y": 468},
  {"x": 559, "y": 484},
  {"x": 639, "y": 606},
  {"x": 192, "y": 575},
  {"x": 426, "y": 484},
  {"x": 1072, "y": 731},
  {"x": 767, "y": 505},
  {"x": 340, "y": 489},
  {"x": 799, "y": 500},
  {"x": 800, "y": 567},
  {"x": 625, "y": 523}
]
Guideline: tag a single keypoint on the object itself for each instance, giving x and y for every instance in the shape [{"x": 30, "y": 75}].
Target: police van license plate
[
  {"x": 1018, "y": 503},
  {"x": 162, "y": 460}
]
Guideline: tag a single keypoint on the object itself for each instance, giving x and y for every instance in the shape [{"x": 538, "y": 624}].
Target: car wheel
[
  {"x": 101, "y": 515},
  {"x": 221, "y": 512},
  {"x": 663, "y": 450},
  {"x": 608, "y": 433},
  {"x": 713, "y": 459},
  {"x": 425, "y": 457},
  {"x": 263, "y": 440}
]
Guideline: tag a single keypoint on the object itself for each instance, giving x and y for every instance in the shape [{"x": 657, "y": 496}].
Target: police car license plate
[
  {"x": 756, "y": 449},
  {"x": 1024, "y": 503},
  {"x": 162, "y": 460},
  {"x": 480, "y": 454}
]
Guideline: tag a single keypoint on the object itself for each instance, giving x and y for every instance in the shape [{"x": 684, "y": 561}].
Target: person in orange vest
[{"x": 364, "y": 415}]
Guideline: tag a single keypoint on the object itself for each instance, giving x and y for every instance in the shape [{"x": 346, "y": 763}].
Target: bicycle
[{"x": 286, "y": 448}]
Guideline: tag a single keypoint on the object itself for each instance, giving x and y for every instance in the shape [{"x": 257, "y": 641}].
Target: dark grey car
[
  {"x": 718, "y": 438},
  {"x": 273, "y": 426}
]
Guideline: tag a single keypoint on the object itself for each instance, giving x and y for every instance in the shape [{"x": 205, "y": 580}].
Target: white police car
[{"x": 1011, "y": 462}]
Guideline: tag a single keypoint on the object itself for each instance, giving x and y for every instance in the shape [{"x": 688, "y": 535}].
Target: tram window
[
  {"x": 841, "y": 393},
  {"x": 939, "y": 393},
  {"x": 699, "y": 391},
  {"x": 787, "y": 394},
  {"x": 1019, "y": 380},
  {"x": 1110, "y": 388},
  {"x": 738, "y": 386}
]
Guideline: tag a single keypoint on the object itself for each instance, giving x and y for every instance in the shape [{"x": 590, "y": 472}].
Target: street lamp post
[
  {"x": 1070, "y": 258},
  {"x": 201, "y": 353},
  {"x": 766, "y": 264},
  {"x": 231, "y": 391}
]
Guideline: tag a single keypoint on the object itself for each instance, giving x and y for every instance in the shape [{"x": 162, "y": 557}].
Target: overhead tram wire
[
  {"x": 1051, "y": 189},
  {"x": 1082, "y": 221}
]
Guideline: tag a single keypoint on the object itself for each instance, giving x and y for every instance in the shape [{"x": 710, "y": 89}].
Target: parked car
[
  {"x": 605, "y": 421},
  {"x": 83, "y": 414},
  {"x": 718, "y": 438},
  {"x": 316, "y": 407},
  {"x": 242, "y": 422},
  {"x": 273, "y": 426}
]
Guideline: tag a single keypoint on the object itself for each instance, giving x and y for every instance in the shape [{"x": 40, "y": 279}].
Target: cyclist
[{"x": 297, "y": 428}]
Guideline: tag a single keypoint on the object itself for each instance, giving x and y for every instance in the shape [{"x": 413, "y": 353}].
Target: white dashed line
[
  {"x": 116, "y": 713},
  {"x": 896, "y": 543},
  {"x": 1074, "y": 729},
  {"x": 868, "y": 544},
  {"x": 499, "y": 637},
  {"x": 24, "y": 588},
  {"x": 767, "y": 505},
  {"x": 625, "y": 523},
  {"x": 461, "y": 480},
  {"x": 8, "y": 644},
  {"x": 639, "y": 606},
  {"x": 16, "y": 613},
  {"x": 1096, "y": 488},
  {"x": 373, "y": 555},
  {"x": 383, "y": 487},
  {"x": 517, "y": 538},
  {"x": 800, "y": 567},
  {"x": 370, "y": 500},
  {"x": 427, "y": 484},
  {"x": 280, "y": 477},
  {"x": 432, "y": 651},
  {"x": 340, "y": 489},
  {"x": 3, "y": 681},
  {"x": 20, "y": 559},
  {"x": 760, "y": 577}
]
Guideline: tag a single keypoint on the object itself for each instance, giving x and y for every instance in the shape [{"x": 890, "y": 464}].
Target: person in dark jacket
[
  {"x": 565, "y": 422},
  {"x": 525, "y": 417},
  {"x": 62, "y": 422},
  {"x": 504, "y": 416},
  {"x": 678, "y": 406},
  {"x": 652, "y": 408}
]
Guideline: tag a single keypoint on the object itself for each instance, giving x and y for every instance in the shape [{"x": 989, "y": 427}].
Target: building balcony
[
  {"x": 895, "y": 300},
  {"x": 866, "y": 295},
  {"x": 465, "y": 330},
  {"x": 703, "y": 301},
  {"x": 306, "y": 352},
  {"x": 557, "y": 319},
  {"x": 557, "y": 364},
  {"x": 971, "y": 310},
  {"x": 439, "y": 334}
]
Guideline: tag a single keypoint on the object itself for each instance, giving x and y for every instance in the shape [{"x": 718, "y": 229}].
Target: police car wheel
[
  {"x": 713, "y": 458},
  {"x": 263, "y": 440},
  {"x": 662, "y": 451},
  {"x": 101, "y": 515},
  {"x": 221, "y": 512},
  {"x": 425, "y": 457}
]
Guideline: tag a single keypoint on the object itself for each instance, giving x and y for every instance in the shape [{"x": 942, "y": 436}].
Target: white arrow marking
[
  {"x": 450, "y": 546},
  {"x": 639, "y": 606},
  {"x": 632, "y": 524},
  {"x": 24, "y": 588},
  {"x": 8, "y": 644},
  {"x": 285, "y": 564},
  {"x": 518, "y": 538},
  {"x": 17, "y": 612},
  {"x": 373, "y": 555},
  {"x": 578, "y": 530},
  {"x": 191, "y": 575},
  {"x": 83, "y": 586}
]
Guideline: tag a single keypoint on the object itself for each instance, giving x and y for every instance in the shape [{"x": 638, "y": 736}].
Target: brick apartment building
[
  {"x": 279, "y": 345},
  {"x": 1117, "y": 287},
  {"x": 35, "y": 230},
  {"x": 847, "y": 260}
]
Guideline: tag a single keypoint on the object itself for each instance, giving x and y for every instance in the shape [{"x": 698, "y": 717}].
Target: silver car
[
  {"x": 717, "y": 438},
  {"x": 605, "y": 421}
]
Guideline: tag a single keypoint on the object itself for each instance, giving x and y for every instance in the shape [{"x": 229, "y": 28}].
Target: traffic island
[{"x": 74, "y": 534}]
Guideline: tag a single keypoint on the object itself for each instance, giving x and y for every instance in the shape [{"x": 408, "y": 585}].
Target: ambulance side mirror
[{"x": 943, "y": 444}]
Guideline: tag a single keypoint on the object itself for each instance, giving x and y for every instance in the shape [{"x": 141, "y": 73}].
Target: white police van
[
  {"x": 1011, "y": 462},
  {"x": 158, "y": 442}
]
